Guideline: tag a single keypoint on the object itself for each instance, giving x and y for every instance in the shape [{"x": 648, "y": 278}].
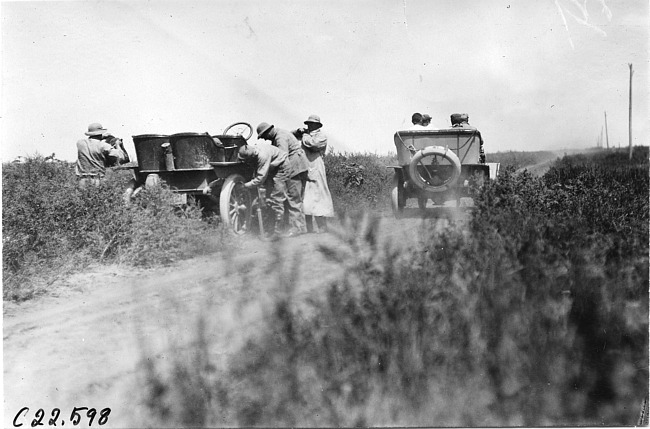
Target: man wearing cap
[
  {"x": 461, "y": 120},
  {"x": 94, "y": 155},
  {"x": 426, "y": 121},
  {"x": 271, "y": 167},
  {"x": 317, "y": 200},
  {"x": 298, "y": 165}
]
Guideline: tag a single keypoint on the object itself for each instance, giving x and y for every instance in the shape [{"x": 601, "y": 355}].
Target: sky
[{"x": 532, "y": 75}]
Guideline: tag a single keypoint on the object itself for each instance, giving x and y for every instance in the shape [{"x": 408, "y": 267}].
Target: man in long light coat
[
  {"x": 298, "y": 166},
  {"x": 317, "y": 200}
]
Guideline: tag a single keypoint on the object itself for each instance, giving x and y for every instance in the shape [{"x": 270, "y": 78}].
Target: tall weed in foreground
[
  {"x": 600, "y": 266},
  {"x": 50, "y": 227},
  {"x": 533, "y": 314}
]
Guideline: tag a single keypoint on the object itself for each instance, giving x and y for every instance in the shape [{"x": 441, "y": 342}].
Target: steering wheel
[{"x": 239, "y": 129}]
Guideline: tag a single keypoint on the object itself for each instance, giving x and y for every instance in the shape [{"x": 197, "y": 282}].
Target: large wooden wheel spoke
[{"x": 235, "y": 204}]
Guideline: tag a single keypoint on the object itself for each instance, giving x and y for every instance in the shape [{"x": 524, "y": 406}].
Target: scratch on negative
[
  {"x": 405, "y": 23},
  {"x": 559, "y": 8}
]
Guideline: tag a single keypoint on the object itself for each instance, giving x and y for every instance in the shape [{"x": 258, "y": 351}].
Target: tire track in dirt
[
  {"x": 537, "y": 170},
  {"x": 81, "y": 345}
]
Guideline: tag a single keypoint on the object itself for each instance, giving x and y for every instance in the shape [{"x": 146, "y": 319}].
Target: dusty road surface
[{"x": 81, "y": 346}]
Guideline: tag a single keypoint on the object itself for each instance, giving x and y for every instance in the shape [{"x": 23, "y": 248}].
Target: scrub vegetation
[
  {"x": 359, "y": 182},
  {"x": 533, "y": 313},
  {"x": 520, "y": 159},
  {"x": 51, "y": 228}
]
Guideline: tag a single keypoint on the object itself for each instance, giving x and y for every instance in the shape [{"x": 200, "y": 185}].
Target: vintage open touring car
[{"x": 438, "y": 165}]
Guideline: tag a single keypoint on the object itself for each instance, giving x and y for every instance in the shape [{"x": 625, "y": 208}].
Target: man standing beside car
[
  {"x": 298, "y": 167},
  {"x": 94, "y": 155}
]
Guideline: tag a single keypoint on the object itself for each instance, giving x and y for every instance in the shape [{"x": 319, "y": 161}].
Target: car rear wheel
[
  {"x": 235, "y": 204},
  {"x": 397, "y": 196}
]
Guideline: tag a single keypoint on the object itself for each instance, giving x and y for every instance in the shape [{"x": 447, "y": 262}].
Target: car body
[{"x": 438, "y": 165}]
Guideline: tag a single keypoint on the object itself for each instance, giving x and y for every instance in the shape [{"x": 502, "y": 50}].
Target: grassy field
[
  {"x": 519, "y": 160},
  {"x": 361, "y": 182},
  {"x": 534, "y": 314},
  {"x": 51, "y": 228}
]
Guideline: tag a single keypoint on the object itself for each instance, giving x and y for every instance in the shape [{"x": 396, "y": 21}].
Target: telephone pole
[
  {"x": 630, "y": 120},
  {"x": 606, "y": 133}
]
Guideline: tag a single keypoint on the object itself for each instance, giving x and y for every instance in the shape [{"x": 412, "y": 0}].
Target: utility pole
[
  {"x": 630, "y": 120},
  {"x": 606, "y": 133}
]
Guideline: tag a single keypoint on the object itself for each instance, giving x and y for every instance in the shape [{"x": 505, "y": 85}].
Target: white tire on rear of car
[{"x": 434, "y": 183}]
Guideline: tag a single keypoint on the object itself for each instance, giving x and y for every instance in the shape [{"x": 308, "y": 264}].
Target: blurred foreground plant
[{"x": 532, "y": 314}]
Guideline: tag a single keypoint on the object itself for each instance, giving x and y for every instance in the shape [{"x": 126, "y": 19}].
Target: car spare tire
[{"x": 434, "y": 168}]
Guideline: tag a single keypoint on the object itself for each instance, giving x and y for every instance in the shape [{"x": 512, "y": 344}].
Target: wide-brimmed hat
[
  {"x": 96, "y": 129},
  {"x": 245, "y": 152},
  {"x": 314, "y": 119},
  {"x": 263, "y": 128}
]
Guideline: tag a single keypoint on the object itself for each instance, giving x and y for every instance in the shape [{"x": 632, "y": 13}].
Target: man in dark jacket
[{"x": 298, "y": 165}]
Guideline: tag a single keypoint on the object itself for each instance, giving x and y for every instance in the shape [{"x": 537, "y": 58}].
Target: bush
[
  {"x": 567, "y": 243},
  {"x": 358, "y": 182},
  {"x": 533, "y": 314},
  {"x": 50, "y": 226}
]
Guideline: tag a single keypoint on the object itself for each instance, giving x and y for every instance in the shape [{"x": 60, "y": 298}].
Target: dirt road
[{"x": 81, "y": 345}]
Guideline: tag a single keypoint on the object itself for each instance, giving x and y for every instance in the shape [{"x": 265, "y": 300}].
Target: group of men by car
[{"x": 290, "y": 168}]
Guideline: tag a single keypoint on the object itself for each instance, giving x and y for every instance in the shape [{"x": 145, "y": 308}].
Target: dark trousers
[{"x": 321, "y": 223}]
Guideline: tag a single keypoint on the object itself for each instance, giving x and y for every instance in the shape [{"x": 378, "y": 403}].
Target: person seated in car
[{"x": 461, "y": 120}]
